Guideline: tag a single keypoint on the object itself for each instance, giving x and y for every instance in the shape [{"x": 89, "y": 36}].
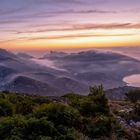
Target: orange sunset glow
[{"x": 45, "y": 25}]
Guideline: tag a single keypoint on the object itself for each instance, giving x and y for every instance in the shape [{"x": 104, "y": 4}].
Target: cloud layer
[{"x": 64, "y": 19}]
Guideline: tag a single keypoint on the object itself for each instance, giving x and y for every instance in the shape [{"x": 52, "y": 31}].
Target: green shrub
[
  {"x": 39, "y": 127},
  {"x": 133, "y": 95},
  {"x": 12, "y": 127},
  {"x": 6, "y": 108},
  {"x": 59, "y": 114},
  {"x": 91, "y": 105},
  {"x": 38, "y": 118},
  {"x": 24, "y": 107},
  {"x": 41, "y": 100}
]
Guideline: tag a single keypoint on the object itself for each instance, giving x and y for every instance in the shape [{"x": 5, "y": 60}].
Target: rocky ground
[{"x": 123, "y": 112}]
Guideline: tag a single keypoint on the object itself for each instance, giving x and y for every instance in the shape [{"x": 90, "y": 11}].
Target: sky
[{"x": 68, "y": 24}]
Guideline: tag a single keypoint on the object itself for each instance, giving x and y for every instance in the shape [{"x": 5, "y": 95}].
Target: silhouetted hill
[
  {"x": 23, "y": 84},
  {"x": 4, "y": 54},
  {"x": 118, "y": 94},
  {"x": 70, "y": 85},
  {"x": 5, "y": 71}
]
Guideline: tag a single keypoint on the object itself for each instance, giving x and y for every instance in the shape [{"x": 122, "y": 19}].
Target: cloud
[
  {"x": 4, "y": 12},
  {"x": 72, "y": 36},
  {"x": 75, "y": 27},
  {"x": 64, "y": 27},
  {"x": 72, "y": 11},
  {"x": 9, "y": 21},
  {"x": 134, "y": 10},
  {"x": 57, "y": 1},
  {"x": 108, "y": 26},
  {"x": 22, "y": 19},
  {"x": 19, "y": 17},
  {"x": 55, "y": 37}
]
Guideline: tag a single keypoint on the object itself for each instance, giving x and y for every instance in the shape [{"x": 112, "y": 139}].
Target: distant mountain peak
[
  {"x": 3, "y": 51},
  {"x": 6, "y": 54}
]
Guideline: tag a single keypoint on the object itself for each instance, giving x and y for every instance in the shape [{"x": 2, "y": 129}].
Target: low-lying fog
[
  {"x": 47, "y": 63},
  {"x": 134, "y": 52}
]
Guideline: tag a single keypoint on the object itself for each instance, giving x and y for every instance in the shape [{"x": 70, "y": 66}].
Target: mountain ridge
[{"x": 82, "y": 69}]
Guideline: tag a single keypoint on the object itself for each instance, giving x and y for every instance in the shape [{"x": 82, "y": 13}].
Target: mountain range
[{"x": 57, "y": 73}]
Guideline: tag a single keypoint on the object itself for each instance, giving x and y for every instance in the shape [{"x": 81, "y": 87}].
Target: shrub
[
  {"x": 96, "y": 90},
  {"x": 59, "y": 113},
  {"x": 12, "y": 128},
  {"x": 91, "y": 105},
  {"x": 24, "y": 107},
  {"x": 6, "y": 108},
  {"x": 133, "y": 95},
  {"x": 39, "y": 127}
]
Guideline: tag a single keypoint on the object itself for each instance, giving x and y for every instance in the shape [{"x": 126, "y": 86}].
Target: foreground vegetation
[
  {"x": 74, "y": 117},
  {"x": 128, "y": 113}
]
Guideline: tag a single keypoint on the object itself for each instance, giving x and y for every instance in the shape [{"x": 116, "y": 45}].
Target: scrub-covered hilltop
[{"x": 71, "y": 117}]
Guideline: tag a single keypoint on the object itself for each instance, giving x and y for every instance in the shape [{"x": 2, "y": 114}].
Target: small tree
[
  {"x": 98, "y": 97},
  {"x": 96, "y": 90}
]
